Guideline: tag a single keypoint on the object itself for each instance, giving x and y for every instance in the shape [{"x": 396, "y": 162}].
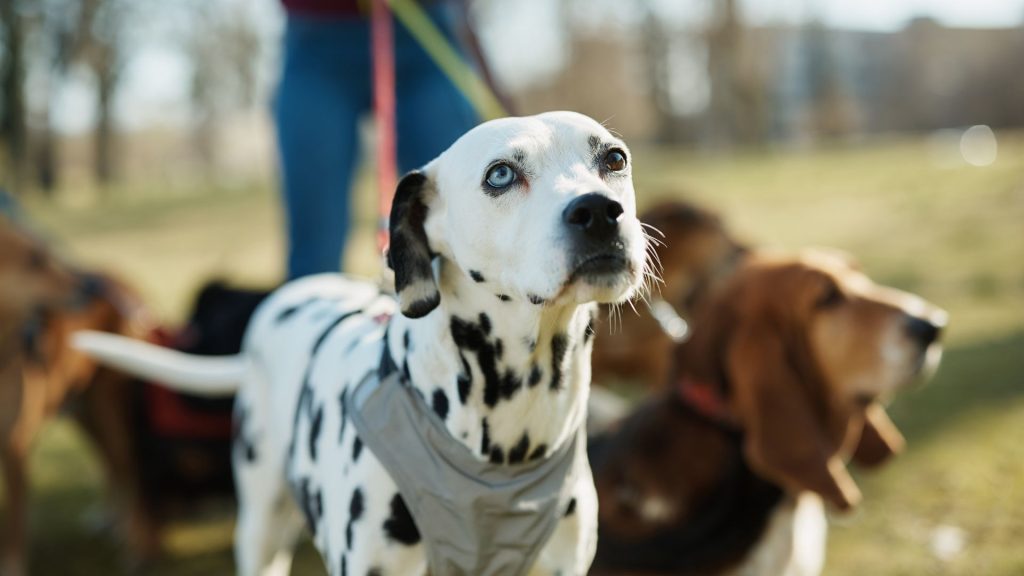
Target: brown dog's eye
[
  {"x": 36, "y": 260},
  {"x": 831, "y": 297},
  {"x": 615, "y": 160}
]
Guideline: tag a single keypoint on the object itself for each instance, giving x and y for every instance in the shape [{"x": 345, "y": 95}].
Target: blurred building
[{"x": 789, "y": 83}]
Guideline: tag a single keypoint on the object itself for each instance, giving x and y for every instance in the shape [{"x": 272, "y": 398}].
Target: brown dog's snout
[
  {"x": 594, "y": 216},
  {"x": 922, "y": 330}
]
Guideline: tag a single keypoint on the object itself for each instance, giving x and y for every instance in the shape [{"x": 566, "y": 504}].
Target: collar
[{"x": 706, "y": 399}]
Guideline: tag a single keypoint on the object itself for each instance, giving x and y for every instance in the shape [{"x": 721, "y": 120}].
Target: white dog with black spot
[{"x": 501, "y": 248}]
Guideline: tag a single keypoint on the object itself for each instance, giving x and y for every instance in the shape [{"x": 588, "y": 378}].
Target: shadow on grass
[{"x": 981, "y": 375}]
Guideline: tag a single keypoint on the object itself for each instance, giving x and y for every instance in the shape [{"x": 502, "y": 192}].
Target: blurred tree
[
  {"x": 829, "y": 112},
  {"x": 104, "y": 53},
  {"x": 64, "y": 26},
  {"x": 13, "y": 129},
  {"x": 737, "y": 112},
  {"x": 222, "y": 45}
]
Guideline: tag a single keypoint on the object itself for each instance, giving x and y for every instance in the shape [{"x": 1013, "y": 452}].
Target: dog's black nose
[
  {"x": 593, "y": 215},
  {"x": 923, "y": 331}
]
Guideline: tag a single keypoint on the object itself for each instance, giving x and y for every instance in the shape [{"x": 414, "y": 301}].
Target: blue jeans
[{"x": 325, "y": 87}]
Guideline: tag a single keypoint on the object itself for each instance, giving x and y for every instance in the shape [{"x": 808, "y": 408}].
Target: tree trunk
[
  {"x": 104, "y": 168},
  {"x": 13, "y": 130}
]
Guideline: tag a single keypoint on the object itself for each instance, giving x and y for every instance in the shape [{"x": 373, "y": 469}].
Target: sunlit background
[{"x": 138, "y": 135}]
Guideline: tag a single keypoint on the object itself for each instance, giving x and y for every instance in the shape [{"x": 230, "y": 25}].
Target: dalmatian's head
[{"x": 540, "y": 209}]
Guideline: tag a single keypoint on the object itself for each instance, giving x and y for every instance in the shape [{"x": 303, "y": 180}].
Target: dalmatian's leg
[
  {"x": 571, "y": 548},
  {"x": 269, "y": 523}
]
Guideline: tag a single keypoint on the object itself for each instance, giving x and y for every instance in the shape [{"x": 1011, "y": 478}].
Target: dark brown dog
[
  {"x": 777, "y": 388},
  {"x": 696, "y": 253},
  {"x": 42, "y": 301}
]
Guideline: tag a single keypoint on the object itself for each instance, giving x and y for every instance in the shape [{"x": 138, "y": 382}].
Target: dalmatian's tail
[{"x": 200, "y": 375}]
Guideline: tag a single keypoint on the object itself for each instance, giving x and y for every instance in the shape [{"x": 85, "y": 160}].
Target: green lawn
[{"x": 954, "y": 235}]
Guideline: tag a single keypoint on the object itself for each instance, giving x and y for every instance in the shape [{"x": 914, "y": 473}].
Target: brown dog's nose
[
  {"x": 923, "y": 331},
  {"x": 593, "y": 215}
]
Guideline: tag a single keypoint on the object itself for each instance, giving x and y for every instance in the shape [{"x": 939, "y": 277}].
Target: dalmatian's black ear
[{"x": 410, "y": 255}]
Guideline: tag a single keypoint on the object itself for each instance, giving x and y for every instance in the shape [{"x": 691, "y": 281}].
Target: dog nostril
[
  {"x": 614, "y": 212},
  {"x": 593, "y": 213},
  {"x": 923, "y": 331},
  {"x": 581, "y": 217}
]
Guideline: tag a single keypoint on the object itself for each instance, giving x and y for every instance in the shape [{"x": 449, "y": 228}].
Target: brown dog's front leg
[{"x": 15, "y": 540}]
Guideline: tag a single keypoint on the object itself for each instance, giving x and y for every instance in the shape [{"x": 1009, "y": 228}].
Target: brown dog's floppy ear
[
  {"x": 409, "y": 254},
  {"x": 879, "y": 440},
  {"x": 787, "y": 440}
]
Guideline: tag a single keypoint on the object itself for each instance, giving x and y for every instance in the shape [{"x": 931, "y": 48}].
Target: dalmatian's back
[{"x": 309, "y": 343}]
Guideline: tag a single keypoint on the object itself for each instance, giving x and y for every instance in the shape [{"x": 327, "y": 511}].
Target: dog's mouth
[{"x": 601, "y": 266}]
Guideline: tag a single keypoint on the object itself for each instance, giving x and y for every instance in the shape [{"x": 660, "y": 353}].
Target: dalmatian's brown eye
[{"x": 615, "y": 160}]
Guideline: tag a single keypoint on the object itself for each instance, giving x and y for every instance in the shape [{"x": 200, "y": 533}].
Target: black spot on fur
[
  {"x": 534, "y": 299},
  {"x": 374, "y": 572},
  {"x": 330, "y": 328},
  {"x": 246, "y": 447},
  {"x": 595, "y": 144},
  {"x": 355, "y": 512},
  {"x": 535, "y": 376},
  {"x": 476, "y": 276},
  {"x": 357, "y": 448},
  {"x": 504, "y": 297},
  {"x": 589, "y": 331},
  {"x": 464, "y": 383},
  {"x": 440, "y": 403},
  {"x": 571, "y": 509},
  {"x": 344, "y": 417},
  {"x": 499, "y": 348},
  {"x": 485, "y": 437},
  {"x": 406, "y": 377},
  {"x": 304, "y": 406},
  {"x": 387, "y": 362},
  {"x": 518, "y": 452},
  {"x": 316, "y": 423},
  {"x": 400, "y": 527},
  {"x": 559, "y": 345},
  {"x": 312, "y": 504},
  {"x": 473, "y": 337},
  {"x": 497, "y": 455},
  {"x": 406, "y": 341},
  {"x": 539, "y": 452},
  {"x": 344, "y": 565},
  {"x": 291, "y": 310}
]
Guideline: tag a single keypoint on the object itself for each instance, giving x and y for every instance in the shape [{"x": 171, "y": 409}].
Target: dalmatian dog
[{"x": 501, "y": 249}]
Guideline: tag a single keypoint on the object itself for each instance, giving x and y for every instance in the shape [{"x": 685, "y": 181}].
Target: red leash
[{"x": 383, "y": 49}]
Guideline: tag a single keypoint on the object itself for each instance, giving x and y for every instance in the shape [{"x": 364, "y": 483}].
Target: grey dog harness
[{"x": 476, "y": 518}]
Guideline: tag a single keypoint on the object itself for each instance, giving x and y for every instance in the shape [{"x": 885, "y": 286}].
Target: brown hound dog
[
  {"x": 40, "y": 374},
  {"x": 724, "y": 470},
  {"x": 696, "y": 253}
]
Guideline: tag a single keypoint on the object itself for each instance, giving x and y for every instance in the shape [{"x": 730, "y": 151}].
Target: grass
[{"x": 951, "y": 234}]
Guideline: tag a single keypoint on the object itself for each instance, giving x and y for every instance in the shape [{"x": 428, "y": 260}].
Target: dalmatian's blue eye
[{"x": 500, "y": 176}]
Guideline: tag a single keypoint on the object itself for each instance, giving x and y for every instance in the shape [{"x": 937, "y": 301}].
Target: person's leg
[
  {"x": 323, "y": 91},
  {"x": 432, "y": 112}
]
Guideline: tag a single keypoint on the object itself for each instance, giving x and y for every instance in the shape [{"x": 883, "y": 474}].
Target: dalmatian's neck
[{"x": 510, "y": 377}]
